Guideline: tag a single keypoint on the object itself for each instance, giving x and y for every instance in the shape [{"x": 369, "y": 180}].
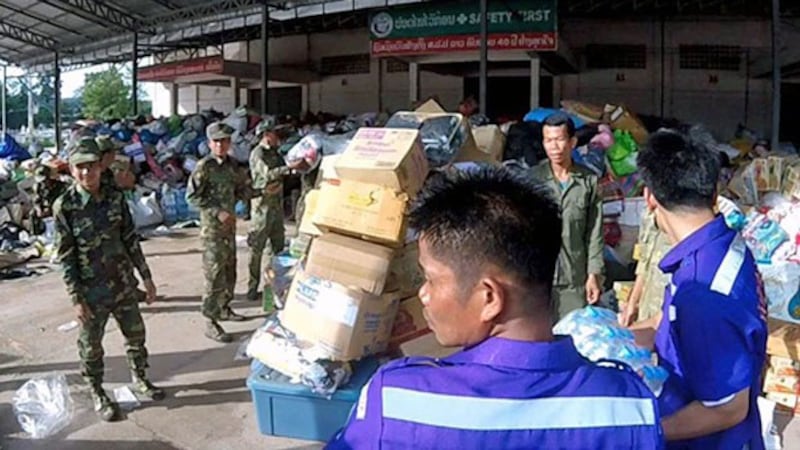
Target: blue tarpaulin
[
  {"x": 10, "y": 149},
  {"x": 541, "y": 114}
]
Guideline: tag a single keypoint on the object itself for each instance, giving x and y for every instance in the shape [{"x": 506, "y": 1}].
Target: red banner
[
  {"x": 449, "y": 44},
  {"x": 169, "y": 71}
]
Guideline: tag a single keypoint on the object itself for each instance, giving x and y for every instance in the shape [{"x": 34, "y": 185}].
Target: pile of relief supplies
[{"x": 347, "y": 286}]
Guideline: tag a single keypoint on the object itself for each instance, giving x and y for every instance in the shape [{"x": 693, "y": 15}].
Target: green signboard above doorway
[{"x": 427, "y": 28}]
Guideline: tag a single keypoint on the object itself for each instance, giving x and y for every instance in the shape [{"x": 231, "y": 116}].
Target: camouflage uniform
[
  {"x": 98, "y": 248},
  {"x": 267, "y": 169},
  {"x": 652, "y": 246},
  {"x": 45, "y": 192},
  {"x": 307, "y": 182},
  {"x": 215, "y": 186}
]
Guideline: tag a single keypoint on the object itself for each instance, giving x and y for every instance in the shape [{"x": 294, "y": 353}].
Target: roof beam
[
  {"x": 97, "y": 12},
  {"x": 166, "y": 4},
  {"x": 26, "y": 36},
  {"x": 40, "y": 18},
  {"x": 208, "y": 9}
]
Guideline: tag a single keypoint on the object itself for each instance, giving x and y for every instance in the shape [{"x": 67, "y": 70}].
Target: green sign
[{"x": 451, "y": 19}]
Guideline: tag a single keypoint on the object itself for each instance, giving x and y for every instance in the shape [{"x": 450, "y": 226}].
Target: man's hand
[
  {"x": 227, "y": 218},
  {"x": 629, "y": 315},
  {"x": 300, "y": 164},
  {"x": 83, "y": 312},
  {"x": 592, "y": 289},
  {"x": 150, "y": 289}
]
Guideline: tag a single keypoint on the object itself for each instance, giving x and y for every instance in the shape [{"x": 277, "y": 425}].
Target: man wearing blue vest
[
  {"x": 488, "y": 242},
  {"x": 712, "y": 335}
]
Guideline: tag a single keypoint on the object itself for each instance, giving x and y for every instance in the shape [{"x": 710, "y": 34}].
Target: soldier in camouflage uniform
[
  {"x": 98, "y": 248},
  {"x": 108, "y": 151},
  {"x": 214, "y": 187},
  {"x": 45, "y": 192},
  {"x": 267, "y": 169}
]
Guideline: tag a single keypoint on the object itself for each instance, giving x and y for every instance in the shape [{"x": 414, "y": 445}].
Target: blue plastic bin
[{"x": 292, "y": 410}]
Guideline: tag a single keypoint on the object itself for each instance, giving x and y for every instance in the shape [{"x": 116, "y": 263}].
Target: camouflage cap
[
  {"x": 84, "y": 151},
  {"x": 267, "y": 124},
  {"x": 219, "y": 130},
  {"x": 105, "y": 144}
]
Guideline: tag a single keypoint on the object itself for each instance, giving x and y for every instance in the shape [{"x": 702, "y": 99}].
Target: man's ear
[
  {"x": 492, "y": 297},
  {"x": 650, "y": 199}
]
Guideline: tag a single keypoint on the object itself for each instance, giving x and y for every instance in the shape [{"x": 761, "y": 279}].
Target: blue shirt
[
  {"x": 712, "y": 337},
  {"x": 503, "y": 394}
]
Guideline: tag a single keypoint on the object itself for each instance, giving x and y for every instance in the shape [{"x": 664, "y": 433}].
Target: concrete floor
[{"x": 208, "y": 405}]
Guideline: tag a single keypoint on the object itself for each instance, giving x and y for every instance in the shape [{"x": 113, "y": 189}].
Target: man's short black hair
[
  {"x": 559, "y": 120},
  {"x": 490, "y": 215},
  {"x": 681, "y": 172}
]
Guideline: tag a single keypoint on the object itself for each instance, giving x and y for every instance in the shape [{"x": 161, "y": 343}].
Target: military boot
[
  {"x": 103, "y": 406},
  {"x": 228, "y": 315},
  {"x": 253, "y": 296},
  {"x": 216, "y": 333},
  {"x": 141, "y": 385}
]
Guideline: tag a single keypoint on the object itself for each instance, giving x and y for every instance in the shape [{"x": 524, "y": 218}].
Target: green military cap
[
  {"x": 84, "y": 151},
  {"x": 219, "y": 130},
  {"x": 105, "y": 144},
  {"x": 267, "y": 124}
]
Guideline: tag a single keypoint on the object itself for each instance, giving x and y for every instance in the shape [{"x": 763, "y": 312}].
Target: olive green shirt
[
  {"x": 651, "y": 247},
  {"x": 582, "y": 224},
  {"x": 215, "y": 186},
  {"x": 267, "y": 170}
]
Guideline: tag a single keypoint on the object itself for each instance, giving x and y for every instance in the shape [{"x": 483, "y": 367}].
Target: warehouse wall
[{"x": 715, "y": 98}]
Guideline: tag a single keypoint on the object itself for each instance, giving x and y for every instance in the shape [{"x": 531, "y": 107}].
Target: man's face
[
  {"x": 451, "y": 307},
  {"x": 219, "y": 147},
  {"x": 87, "y": 175},
  {"x": 557, "y": 143}
]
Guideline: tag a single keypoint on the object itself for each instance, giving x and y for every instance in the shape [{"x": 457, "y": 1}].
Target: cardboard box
[
  {"x": 430, "y": 106},
  {"x": 405, "y": 275},
  {"x": 350, "y": 262},
  {"x": 327, "y": 170},
  {"x": 427, "y": 345},
  {"x": 409, "y": 323},
  {"x": 366, "y": 211},
  {"x": 387, "y": 157},
  {"x": 346, "y": 324},
  {"x": 783, "y": 339},
  {"x": 621, "y": 119},
  {"x": 306, "y": 223},
  {"x": 490, "y": 140}
]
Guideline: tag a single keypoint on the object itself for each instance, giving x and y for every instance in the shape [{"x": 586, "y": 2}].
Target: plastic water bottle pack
[{"x": 598, "y": 336}]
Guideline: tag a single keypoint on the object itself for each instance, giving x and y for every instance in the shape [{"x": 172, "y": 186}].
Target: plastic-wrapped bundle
[
  {"x": 280, "y": 274},
  {"x": 195, "y": 122},
  {"x": 43, "y": 405},
  {"x": 337, "y": 144},
  {"x": 598, "y": 337},
  {"x": 442, "y": 135},
  {"x": 309, "y": 148},
  {"x": 278, "y": 349},
  {"x": 763, "y": 236}
]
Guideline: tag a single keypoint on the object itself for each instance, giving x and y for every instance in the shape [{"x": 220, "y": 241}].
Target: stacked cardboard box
[
  {"x": 782, "y": 377},
  {"x": 358, "y": 266}
]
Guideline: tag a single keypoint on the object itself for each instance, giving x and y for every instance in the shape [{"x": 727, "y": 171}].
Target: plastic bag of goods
[
  {"x": 278, "y": 349},
  {"x": 441, "y": 135},
  {"x": 782, "y": 287},
  {"x": 196, "y": 123},
  {"x": 280, "y": 273},
  {"x": 43, "y": 405},
  {"x": 763, "y": 236},
  {"x": 598, "y": 337},
  {"x": 622, "y": 154},
  {"x": 309, "y": 148}
]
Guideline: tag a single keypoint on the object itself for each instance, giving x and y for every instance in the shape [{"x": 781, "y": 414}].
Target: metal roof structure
[{"x": 87, "y": 32}]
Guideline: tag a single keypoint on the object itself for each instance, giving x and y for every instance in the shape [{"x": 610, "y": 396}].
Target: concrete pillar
[
  {"x": 304, "y": 99},
  {"x": 196, "y": 98},
  {"x": 236, "y": 92},
  {"x": 536, "y": 76},
  {"x": 173, "y": 98},
  {"x": 413, "y": 80}
]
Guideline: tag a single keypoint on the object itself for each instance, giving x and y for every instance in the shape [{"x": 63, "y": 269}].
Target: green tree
[{"x": 105, "y": 95}]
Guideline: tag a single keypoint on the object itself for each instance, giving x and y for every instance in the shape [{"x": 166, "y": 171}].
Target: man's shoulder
[
  {"x": 69, "y": 199},
  {"x": 585, "y": 173}
]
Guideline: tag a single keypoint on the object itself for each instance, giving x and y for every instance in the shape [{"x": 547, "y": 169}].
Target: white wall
[{"x": 688, "y": 94}]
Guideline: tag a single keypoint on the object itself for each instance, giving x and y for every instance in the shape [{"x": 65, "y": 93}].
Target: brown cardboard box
[
  {"x": 327, "y": 170},
  {"x": 783, "y": 339},
  {"x": 366, "y": 211},
  {"x": 405, "y": 275},
  {"x": 620, "y": 118},
  {"x": 350, "y": 262},
  {"x": 409, "y": 323},
  {"x": 346, "y": 324},
  {"x": 490, "y": 140},
  {"x": 430, "y": 106},
  {"x": 782, "y": 382},
  {"x": 427, "y": 345},
  {"x": 387, "y": 157},
  {"x": 306, "y": 223}
]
